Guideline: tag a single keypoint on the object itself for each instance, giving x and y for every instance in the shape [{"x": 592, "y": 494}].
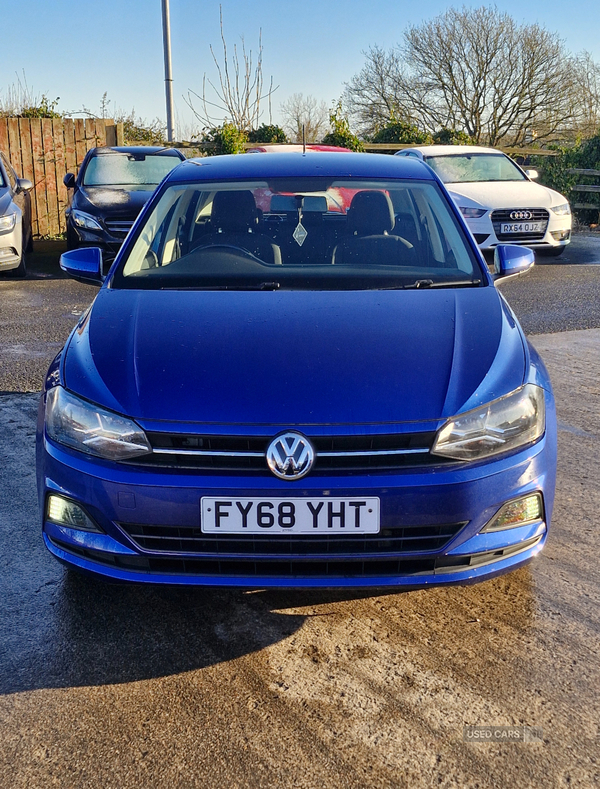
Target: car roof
[
  {"x": 133, "y": 149},
  {"x": 449, "y": 150},
  {"x": 298, "y": 165},
  {"x": 294, "y": 147}
]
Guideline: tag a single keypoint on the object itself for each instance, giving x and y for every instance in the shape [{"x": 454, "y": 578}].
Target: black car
[{"x": 110, "y": 190}]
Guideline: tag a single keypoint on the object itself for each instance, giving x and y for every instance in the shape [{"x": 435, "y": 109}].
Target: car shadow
[
  {"x": 78, "y": 631},
  {"x": 43, "y": 262}
]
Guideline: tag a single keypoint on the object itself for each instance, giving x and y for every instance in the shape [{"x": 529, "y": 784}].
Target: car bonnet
[
  {"x": 506, "y": 194},
  {"x": 295, "y": 357}
]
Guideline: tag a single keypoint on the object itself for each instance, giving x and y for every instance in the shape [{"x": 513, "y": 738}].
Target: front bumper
[
  {"x": 80, "y": 237},
  {"x": 11, "y": 244},
  {"x": 120, "y": 497}
]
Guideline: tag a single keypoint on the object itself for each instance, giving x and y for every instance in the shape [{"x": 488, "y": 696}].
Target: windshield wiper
[
  {"x": 260, "y": 286},
  {"x": 429, "y": 283}
]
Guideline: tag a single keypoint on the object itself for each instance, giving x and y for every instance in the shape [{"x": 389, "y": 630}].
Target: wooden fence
[
  {"x": 44, "y": 150},
  {"x": 593, "y": 190}
]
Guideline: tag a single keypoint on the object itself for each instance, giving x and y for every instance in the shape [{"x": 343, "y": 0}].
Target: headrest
[
  {"x": 311, "y": 203},
  {"x": 234, "y": 211},
  {"x": 283, "y": 203},
  {"x": 371, "y": 213}
]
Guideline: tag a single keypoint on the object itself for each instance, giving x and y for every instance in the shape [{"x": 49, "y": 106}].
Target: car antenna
[{"x": 303, "y": 140}]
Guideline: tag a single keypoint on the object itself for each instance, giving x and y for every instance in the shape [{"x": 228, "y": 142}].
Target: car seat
[
  {"x": 234, "y": 222},
  {"x": 370, "y": 221}
]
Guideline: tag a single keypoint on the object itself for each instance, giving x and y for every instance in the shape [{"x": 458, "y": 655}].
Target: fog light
[
  {"x": 516, "y": 513},
  {"x": 560, "y": 235},
  {"x": 66, "y": 513}
]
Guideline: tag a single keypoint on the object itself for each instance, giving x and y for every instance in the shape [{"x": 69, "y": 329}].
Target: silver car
[{"x": 15, "y": 219}]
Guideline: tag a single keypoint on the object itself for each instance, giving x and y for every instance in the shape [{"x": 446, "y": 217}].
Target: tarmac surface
[{"x": 118, "y": 686}]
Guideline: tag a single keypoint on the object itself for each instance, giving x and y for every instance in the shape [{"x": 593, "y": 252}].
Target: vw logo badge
[
  {"x": 521, "y": 215},
  {"x": 290, "y": 456}
]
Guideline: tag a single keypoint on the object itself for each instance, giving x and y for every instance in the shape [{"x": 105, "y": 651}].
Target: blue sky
[{"x": 80, "y": 50}]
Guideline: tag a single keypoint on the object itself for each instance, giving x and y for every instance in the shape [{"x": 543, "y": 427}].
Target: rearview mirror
[
  {"x": 69, "y": 181},
  {"x": 511, "y": 260},
  {"x": 84, "y": 265},
  {"x": 533, "y": 174},
  {"x": 24, "y": 185}
]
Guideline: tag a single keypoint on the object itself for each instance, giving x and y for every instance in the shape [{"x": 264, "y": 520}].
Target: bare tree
[
  {"x": 240, "y": 90},
  {"x": 378, "y": 93},
  {"x": 587, "y": 94},
  {"x": 474, "y": 70},
  {"x": 305, "y": 111}
]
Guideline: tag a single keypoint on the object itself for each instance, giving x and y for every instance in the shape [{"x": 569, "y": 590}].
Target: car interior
[{"x": 237, "y": 232}]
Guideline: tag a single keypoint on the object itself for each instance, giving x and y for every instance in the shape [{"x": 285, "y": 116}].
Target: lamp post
[{"x": 166, "y": 20}]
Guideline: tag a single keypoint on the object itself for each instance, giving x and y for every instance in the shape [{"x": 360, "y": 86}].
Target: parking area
[{"x": 118, "y": 686}]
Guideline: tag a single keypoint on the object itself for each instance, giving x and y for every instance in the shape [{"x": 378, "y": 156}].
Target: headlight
[
  {"x": 81, "y": 219},
  {"x": 562, "y": 210},
  {"x": 500, "y": 426},
  {"x": 91, "y": 429},
  {"x": 472, "y": 213},
  {"x": 7, "y": 223}
]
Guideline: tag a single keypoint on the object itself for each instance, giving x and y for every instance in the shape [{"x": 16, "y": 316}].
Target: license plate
[
  {"x": 522, "y": 227},
  {"x": 290, "y": 516}
]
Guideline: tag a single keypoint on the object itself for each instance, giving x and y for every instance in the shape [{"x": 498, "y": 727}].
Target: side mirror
[
  {"x": 511, "y": 260},
  {"x": 84, "y": 265},
  {"x": 69, "y": 181},
  {"x": 24, "y": 185},
  {"x": 533, "y": 174}
]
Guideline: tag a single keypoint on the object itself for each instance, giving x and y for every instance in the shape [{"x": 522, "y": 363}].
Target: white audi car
[{"x": 499, "y": 201}]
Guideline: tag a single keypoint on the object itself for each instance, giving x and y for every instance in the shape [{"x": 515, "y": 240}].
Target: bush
[
  {"x": 553, "y": 173},
  {"x": 340, "y": 134},
  {"x": 447, "y": 136},
  {"x": 267, "y": 134},
  {"x": 553, "y": 169},
  {"x": 589, "y": 157},
  {"x": 42, "y": 108},
  {"x": 398, "y": 131},
  {"x": 137, "y": 131},
  {"x": 227, "y": 139}
]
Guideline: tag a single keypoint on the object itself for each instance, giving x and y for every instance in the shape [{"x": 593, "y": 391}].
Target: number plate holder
[
  {"x": 522, "y": 227},
  {"x": 292, "y": 515}
]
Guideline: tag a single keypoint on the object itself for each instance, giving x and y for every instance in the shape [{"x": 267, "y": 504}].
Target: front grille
[
  {"x": 333, "y": 453},
  {"x": 190, "y": 540},
  {"x": 119, "y": 226},
  {"x": 300, "y": 570},
  {"x": 503, "y": 216},
  {"x": 249, "y": 569}
]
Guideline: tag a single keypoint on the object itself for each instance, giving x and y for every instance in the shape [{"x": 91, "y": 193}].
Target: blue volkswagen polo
[{"x": 298, "y": 372}]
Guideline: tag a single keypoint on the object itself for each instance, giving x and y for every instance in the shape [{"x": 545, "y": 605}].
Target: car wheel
[
  {"x": 21, "y": 271},
  {"x": 551, "y": 252},
  {"x": 71, "y": 239}
]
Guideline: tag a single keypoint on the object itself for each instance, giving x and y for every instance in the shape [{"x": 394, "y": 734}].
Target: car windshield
[
  {"x": 127, "y": 170},
  {"x": 300, "y": 233},
  {"x": 473, "y": 167}
]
